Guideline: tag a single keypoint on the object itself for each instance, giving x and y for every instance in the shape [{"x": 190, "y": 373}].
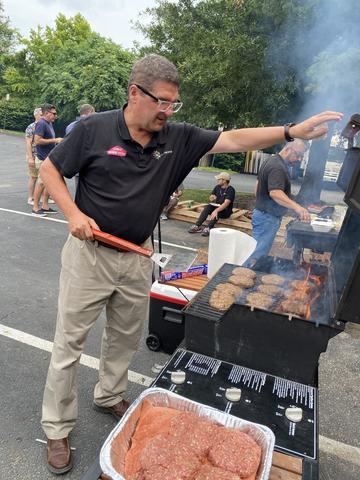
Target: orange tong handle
[{"x": 120, "y": 243}]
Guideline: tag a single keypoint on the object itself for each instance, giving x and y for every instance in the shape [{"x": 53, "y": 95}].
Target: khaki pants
[{"x": 93, "y": 277}]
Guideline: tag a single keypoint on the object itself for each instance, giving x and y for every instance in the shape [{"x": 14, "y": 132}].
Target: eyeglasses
[
  {"x": 163, "y": 105},
  {"x": 54, "y": 113}
]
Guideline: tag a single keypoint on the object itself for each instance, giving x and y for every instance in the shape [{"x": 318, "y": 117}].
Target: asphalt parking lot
[{"x": 30, "y": 264}]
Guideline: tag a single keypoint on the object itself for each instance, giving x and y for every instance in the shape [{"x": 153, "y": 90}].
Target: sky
[{"x": 111, "y": 18}]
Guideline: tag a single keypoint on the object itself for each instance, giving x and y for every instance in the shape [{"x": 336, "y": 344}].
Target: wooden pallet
[
  {"x": 284, "y": 467},
  {"x": 238, "y": 219}
]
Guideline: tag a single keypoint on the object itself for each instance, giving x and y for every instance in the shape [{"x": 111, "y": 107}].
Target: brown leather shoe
[
  {"x": 117, "y": 410},
  {"x": 59, "y": 456}
]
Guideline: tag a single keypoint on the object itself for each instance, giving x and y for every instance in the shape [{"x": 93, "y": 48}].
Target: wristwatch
[{"x": 287, "y": 135}]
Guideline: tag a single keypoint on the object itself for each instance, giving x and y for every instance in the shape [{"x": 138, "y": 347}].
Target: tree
[
  {"x": 221, "y": 48},
  {"x": 68, "y": 65}
]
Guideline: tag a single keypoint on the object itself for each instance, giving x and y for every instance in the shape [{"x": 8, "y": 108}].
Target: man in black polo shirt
[
  {"x": 222, "y": 199},
  {"x": 129, "y": 162},
  {"x": 273, "y": 198}
]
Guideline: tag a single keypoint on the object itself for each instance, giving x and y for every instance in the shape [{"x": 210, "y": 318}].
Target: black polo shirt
[
  {"x": 222, "y": 194},
  {"x": 273, "y": 175},
  {"x": 122, "y": 185}
]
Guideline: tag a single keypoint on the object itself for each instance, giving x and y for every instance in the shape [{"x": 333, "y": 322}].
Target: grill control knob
[
  {"x": 178, "y": 377},
  {"x": 233, "y": 394},
  {"x": 294, "y": 414}
]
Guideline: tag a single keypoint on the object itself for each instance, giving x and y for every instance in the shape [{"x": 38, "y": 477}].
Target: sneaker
[
  {"x": 30, "y": 201},
  {"x": 51, "y": 200},
  {"x": 163, "y": 217},
  {"x": 39, "y": 213},
  {"x": 49, "y": 210},
  {"x": 205, "y": 232},
  {"x": 195, "y": 229}
]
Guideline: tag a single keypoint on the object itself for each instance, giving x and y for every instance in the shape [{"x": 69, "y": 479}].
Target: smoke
[{"x": 324, "y": 54}]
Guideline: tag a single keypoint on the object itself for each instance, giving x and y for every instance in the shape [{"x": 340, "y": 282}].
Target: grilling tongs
[{"x": 160, "y": 259}]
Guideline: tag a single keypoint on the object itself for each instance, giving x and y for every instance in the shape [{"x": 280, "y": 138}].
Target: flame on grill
[{"x": 306, "y": 291}]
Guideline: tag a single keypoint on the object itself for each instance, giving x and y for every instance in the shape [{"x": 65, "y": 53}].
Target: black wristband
[{"x": 287, "y": 135}]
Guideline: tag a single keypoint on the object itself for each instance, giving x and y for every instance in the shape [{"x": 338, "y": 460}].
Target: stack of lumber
[{"x": 189, "y": 211}]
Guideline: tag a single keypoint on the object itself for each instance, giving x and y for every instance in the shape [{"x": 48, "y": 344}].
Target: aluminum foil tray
[{"x": 159, "y": 397}]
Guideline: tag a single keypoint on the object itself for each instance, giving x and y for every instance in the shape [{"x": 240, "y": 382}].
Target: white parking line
[
  {"x": 86, "y": 360},
  {"x": 51, "y": 219},
  {"x": 341, "y": 450}
]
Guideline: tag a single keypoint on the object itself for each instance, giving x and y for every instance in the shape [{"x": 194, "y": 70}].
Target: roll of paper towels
[
  {"x": 222, "y": 248},
  {"x": 228, "y": 246}
]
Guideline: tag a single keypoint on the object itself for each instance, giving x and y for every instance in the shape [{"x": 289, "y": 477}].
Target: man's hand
[
  {"x": 31, "y": 161},
  {"x": 212, "y": 198},
  {"x": 214, "y": 215},
  {"x": 80, "y": 226},
  {"x": 315, "y": 126},
  {"x": 58, "y": 140},
  {"x": 303, "y": 213}
]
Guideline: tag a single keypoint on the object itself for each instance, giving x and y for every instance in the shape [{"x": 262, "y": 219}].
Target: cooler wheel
[{"x": 153, "y": 342}]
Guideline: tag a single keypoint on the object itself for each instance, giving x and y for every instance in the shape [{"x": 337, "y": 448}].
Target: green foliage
[
  {"x": 15, "y": 114},
  {"x": 229, "y": 161},
  {"x": 221, "y": 50},
  {"x": 67, "y": 66}
]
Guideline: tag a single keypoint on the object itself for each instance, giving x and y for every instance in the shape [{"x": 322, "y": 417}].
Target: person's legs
[
  {"x": 172, "y": 204},
  {"x": 86, "y": 282},
  {"x": 206, "y": 211},
  {"x": 45, "y": 200},
  {"x": 265, "y": 227},
  {"x": 126, "y": 311},
  {"x": 39, "y": 187}
]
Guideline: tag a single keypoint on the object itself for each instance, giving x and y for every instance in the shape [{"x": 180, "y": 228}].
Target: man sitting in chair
[{"x": 222, "y": 199}]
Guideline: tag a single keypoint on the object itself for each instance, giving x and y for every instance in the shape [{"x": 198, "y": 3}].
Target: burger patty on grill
[
  {"x": 245, "y": 282},
  {"x": 220, "y": 300},
  {"x": 243, "y": 271},
  {"x": 269, "y": 289},
  {"x": 229, "y": 288},
  {"x": 294, "y": 306},
  {"x": 257, "y": 299},
  {"x": 273, "y": 279}
]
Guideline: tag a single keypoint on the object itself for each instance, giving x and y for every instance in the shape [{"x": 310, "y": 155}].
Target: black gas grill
[{"x": 270, "y": 355}]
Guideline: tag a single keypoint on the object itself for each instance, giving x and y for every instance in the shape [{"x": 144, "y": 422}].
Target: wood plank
[
  {"x": 287, "y": 462},
  {"x": 277, "y": 473}
]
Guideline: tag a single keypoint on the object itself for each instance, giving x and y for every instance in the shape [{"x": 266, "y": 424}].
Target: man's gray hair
[
  {"x": 151, "y": 68},
  {"x": 86, "y": 109},
  {"x": 37, "y": 111}
]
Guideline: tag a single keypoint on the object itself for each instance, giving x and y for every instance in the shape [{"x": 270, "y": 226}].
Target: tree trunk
[{"x": 204, "y": 161}]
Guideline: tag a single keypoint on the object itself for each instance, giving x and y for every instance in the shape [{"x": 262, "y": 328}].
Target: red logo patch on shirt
[{"x": 117, "y": 151}]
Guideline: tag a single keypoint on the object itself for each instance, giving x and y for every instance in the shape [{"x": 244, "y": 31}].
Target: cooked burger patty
[
  {"x": 260, "y": 300},
  {"x": 297, "y": 295},
  {"x": 245, "y": 282},
  {"x": 242, "y": 271},
  {"x": 269, "y": 289},
  {"x": 273, "y": 279},
  {"x": 229, "y": 288},
  {"x": 294, "y": 306},
  {"x": 220, "y": 300}
]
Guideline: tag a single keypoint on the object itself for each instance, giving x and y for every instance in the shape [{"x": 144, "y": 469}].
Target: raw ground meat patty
[
  {"x": 235, "y": 451},
  {"x": 273, "y": 279},
  {"x": 269, "y": 289},
  {"x": 196, "y": 432},
  {"x": 243, "y": 271},
  {"x": 221, "y": 300},
  {"x": 165, "y": 451},
  {"x": 209, "y": 472},
  {"x": 229, "y": 288},
  {"x": 260, "y": 300},
  {"x": 294, "y": 306},
  {"x": 245, "y": 282}
]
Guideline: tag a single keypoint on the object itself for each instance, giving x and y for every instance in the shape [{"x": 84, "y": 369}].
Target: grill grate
[{"x": 200, "y": 305}]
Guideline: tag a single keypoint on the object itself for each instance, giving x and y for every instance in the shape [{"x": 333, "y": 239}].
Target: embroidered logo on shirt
[
  {"x": 117, "y": 151},
  {"x": 157, "y": 155}
]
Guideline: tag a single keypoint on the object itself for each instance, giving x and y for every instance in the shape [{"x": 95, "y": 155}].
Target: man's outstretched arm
[{"x": 245, "y": 139}]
